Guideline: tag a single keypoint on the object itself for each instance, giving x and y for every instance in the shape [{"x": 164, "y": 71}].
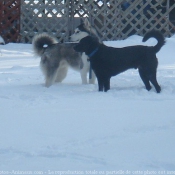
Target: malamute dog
[
  {"x": 56, "y": 58},
  {"x": 108, "y": 61}
]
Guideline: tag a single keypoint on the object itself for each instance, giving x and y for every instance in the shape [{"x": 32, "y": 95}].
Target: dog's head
[
  {"x": 83, "y": 30},
  {"x": 87, "y": 44}
]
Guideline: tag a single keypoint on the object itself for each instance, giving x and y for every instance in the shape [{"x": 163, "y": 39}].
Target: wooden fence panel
[
  {"x": 113, "y": 19},
  {"x": 44, "y": 16},
  {"x": 120, "y": 19},
  {"x": 9, "y": 20}
]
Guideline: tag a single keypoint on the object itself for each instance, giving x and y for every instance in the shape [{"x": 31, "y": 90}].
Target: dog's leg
[
  {"x": 83, "y": 73},
  {"x": 100, "y": 83},
  {"x": 48, "y": 71},
  {"x": 145, "y": 79},
  {"x": 92, "y": 80},
  {"x": 153, "y": 80},
  {"x": 49, "y": 81},
  {"x": 107, "y": 84},
  {"x": 50, "y": 78},
  {"x": 85, "y": 69},
  {"x": 61, "y": 71}
]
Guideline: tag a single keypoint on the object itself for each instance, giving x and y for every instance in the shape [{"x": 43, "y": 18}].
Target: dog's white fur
[{"x": 77, "y": 36}]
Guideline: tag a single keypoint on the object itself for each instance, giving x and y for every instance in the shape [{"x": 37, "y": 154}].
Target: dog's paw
[
  {"x": 158, "y": 89},
  {"x": 148, "y": 88}
]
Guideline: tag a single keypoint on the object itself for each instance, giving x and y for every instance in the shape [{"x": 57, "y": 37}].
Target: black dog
[{"x": 108, "y": 61}]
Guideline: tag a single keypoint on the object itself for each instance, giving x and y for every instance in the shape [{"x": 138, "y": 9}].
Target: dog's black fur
[{"x": 108, "y": 61}]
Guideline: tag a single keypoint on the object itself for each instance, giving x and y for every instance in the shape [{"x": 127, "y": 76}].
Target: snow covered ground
[{"x": 72, "y": 128}]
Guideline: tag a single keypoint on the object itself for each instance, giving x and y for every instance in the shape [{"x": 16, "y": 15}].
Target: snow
[{"x": 72, "y": 128}]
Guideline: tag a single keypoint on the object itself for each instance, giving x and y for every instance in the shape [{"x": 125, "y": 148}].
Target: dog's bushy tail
[
  {"x": 158, "y": 35},
  {"x": 41, "y": 41}
]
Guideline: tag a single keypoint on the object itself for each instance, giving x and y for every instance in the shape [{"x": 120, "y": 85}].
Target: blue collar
[{"x": 93, "y": 52}]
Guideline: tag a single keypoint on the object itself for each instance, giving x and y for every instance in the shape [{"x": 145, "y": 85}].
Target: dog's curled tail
[
  {"x": 158, "y": 35},
  {"x": 41, "y": 41}
]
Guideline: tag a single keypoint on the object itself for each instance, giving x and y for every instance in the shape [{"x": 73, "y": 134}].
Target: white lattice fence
[
  {"x": 142, "y": 16},
  {"x": 102, "y": 14},
  {"x": 44, "y": 16},
  {"x": 113, "y": 19}
]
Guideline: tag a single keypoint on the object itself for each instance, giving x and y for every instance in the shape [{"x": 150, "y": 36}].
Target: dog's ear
[
  {"x": 87, "y": 23},
  {"x": 81, "y": 21},
  {"x": 91, "y": 40},
  {"x": 94, "y": 39}
]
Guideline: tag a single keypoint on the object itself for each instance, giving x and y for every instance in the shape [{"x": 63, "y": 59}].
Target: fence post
[{"x": 1, "y": 15}]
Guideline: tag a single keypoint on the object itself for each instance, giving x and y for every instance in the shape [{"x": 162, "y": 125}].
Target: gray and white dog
[{"x": 56, "y": 57}]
